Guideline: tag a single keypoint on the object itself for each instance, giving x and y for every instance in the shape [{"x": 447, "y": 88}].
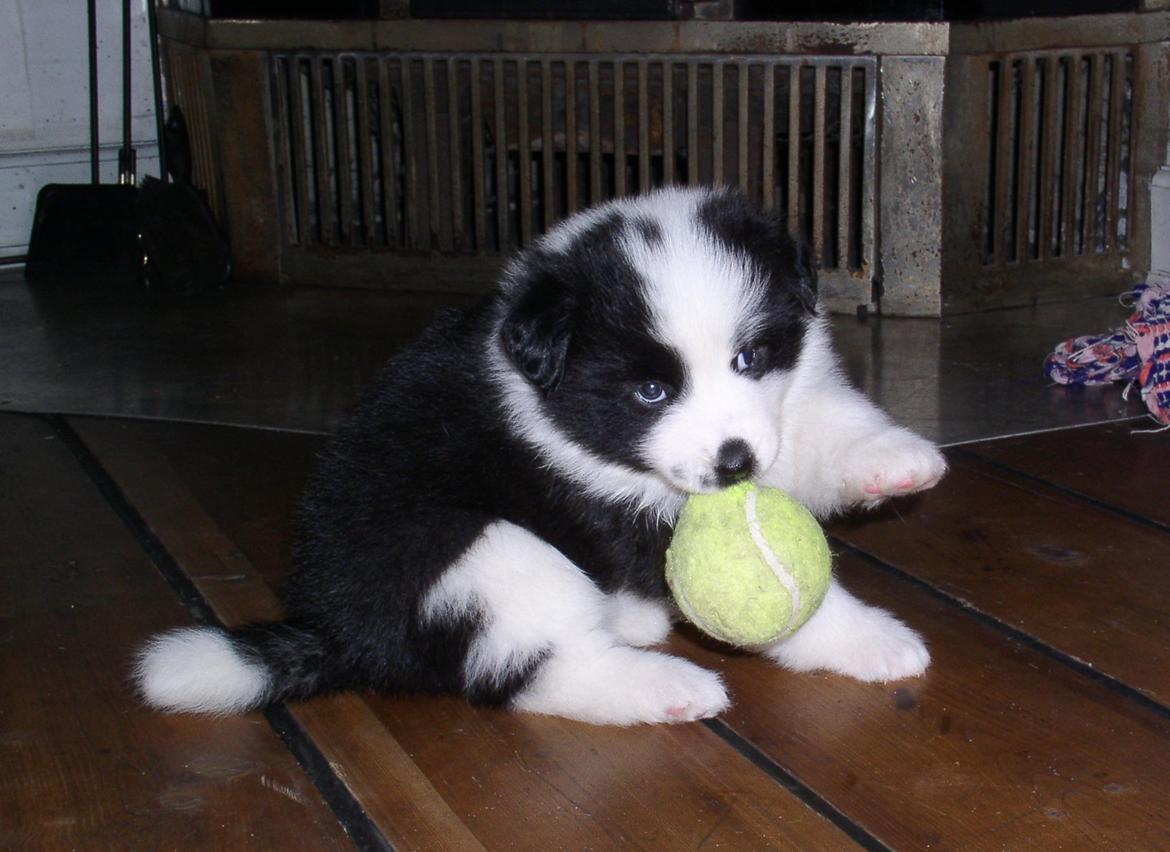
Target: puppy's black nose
[{"x": 734, "y": 462}]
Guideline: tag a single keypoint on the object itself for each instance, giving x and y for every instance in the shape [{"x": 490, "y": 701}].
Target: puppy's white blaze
[
  {"x": 197, "y": 669},
  {"x": 704, "y": 298},
  {"x": 662, "y": 205},
  {"x": 705, "y": 303},
  {"x": 771, "y": 559}
]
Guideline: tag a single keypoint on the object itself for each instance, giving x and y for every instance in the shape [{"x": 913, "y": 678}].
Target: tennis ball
[{"x": 747, "y": 565}]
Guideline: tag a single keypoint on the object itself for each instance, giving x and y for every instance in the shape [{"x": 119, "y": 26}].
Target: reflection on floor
[{"x": 296, "y": 359}]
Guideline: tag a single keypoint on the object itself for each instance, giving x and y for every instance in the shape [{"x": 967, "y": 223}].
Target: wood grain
[
  {"x": 998, "y": 746},
  {"x": 1110, "y": 463},
  {"x": 85, "y": 766},
  {"x": 371, "y": 761},
  {"x": 1083, "y": 580},
  {"x": 577, "y": 786},
  {"x": 434, "y": 770}
]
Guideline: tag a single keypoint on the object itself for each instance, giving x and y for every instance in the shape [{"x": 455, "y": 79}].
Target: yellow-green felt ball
[{"x": 747, "y": 565}]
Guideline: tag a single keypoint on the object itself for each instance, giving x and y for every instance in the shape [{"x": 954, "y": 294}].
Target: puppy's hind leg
[
  {"x": 546, "y": 634},
  {"x": 638, "y": 621}
]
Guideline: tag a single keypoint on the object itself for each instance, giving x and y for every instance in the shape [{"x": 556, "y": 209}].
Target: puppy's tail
[{"x": 207, "y": 670}]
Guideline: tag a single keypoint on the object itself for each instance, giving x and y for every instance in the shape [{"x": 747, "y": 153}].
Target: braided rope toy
[{"x": 1138, "y": 352}]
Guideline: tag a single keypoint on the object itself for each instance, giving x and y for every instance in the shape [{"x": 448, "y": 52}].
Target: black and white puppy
[{"x": 492, "y": 519}]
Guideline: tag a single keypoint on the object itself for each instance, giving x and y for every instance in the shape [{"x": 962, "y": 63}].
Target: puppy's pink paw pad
[{"x": 891, "y": 464}]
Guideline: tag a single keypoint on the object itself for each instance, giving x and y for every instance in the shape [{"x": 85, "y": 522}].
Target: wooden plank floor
[
  {"x": 1039, "y": 573},
  {"x": 84, "y": 765}
]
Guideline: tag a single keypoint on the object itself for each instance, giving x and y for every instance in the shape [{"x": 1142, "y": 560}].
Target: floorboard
[
  {"x": 1119, "y": 465},
  {"x": 1079, "y": 578},
  {"x": 85, "y": 765},
  {"x": 341, "y": 727},
  {"x": 1042, "y": 722},
  {"x": 997, "y": 746}
]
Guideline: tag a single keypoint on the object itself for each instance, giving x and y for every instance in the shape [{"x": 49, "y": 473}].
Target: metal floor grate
[
  {"x": 469, "y": 154},
  {"x": 1059, "y": 172}
]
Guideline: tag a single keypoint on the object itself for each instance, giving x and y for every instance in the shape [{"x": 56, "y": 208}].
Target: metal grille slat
[
  {"x": 341, "y": 142},
  {"x": 478, "y": 175},
  {"x": 387, "y": 145},
  {"x": 866, "y": 241},
  {"x": 619, "y": 128},
  {"x": 1024, "y": 197},
  {"x": 503, "y": 237},
  {"x": 643, "y": 128},
  {"x": 1047, "y": 191},
  {"x": 1129, "y": 153},
  {"x": 692, "y": 122},
  {"x": 571, "y": 202},
  {"x": 455, "y": 154},
  {"x": 743, "y": 122},
  {"x": 1089, "y": 234},
  {"x": 365, "y": 134},
  {"x": 524, "y": 152},
  {"x": 594, "y": 132},
  {"x": 1113, "y": 157},
  {"x": 844, "y": 167},
  {"x": 818, "y": 184},
  {"x": 322, "y": 166},
  {"x": 769, "y": 135},
  {"x": 431, "y": 155},
  {"x": 793, "y": 189},
  {"x": 547, "y": 146},
  {"x": 1072, "y": 167},
  {"x": 717, "y": 128},
  {"x": 410, "y": 200},
  {"x": 287, "y": 152},
  {"x": 668, "y": 122},
  {"x": 1002, "y": 204}
]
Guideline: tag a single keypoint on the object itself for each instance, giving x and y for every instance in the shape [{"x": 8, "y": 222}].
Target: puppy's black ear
[{"x": 536, "y": 331}]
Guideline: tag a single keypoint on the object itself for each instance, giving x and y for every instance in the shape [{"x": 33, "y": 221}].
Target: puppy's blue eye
[
  {"x": 650, "y": 393},
  {"x": 743, "y": 361}
]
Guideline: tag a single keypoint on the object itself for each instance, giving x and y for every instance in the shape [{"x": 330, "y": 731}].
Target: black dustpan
[{"x": 88, "y": 232}]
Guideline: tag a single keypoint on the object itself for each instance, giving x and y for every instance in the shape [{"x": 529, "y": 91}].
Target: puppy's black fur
[{"x": 429, "y": 459}]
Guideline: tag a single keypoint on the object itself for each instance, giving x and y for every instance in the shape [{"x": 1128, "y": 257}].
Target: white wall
[{"x": 44, "y": 102}]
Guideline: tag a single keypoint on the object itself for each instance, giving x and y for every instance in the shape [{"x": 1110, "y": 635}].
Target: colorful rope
[{"x": 1139, "y": 352}]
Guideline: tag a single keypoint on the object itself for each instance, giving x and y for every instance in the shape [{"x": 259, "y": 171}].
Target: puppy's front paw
[
  {"x": 851, "y": 638},
  {"x": 891, "y": 463}
]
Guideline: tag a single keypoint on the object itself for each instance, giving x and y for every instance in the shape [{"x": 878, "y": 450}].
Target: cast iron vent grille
[
  {"x": 1060, "y": 168},
  {"x": 471, "y": 155}
]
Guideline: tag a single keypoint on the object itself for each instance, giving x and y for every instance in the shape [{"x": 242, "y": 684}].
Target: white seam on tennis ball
[{"x": 772, "y": 560}]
